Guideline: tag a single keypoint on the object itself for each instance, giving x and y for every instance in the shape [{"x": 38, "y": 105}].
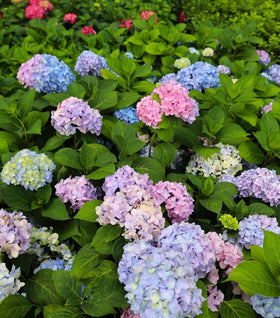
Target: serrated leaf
[
  {"x": 87, "y": 211},
  {"x": 56, "y": 311},
  {"x": 104, "y": 99},
  {"x": 271, "y": 250},
  {"x": 87, "y": 156},
  {"x": 250, "y": 152},
  {"x": 55, "y": 142},
  {"x": 56, "y": 210},
  {"x": 260, "y": 208},
  {"x": 236, "y": 308},
  {"x": 104, "y": 159},
  {"x": 14, "y": 306},
  {"x": 69, "y": 158},
  {"x": 165, "y": 153},
  {"x": 103, "y": 237},
  {"x": 150, "y": 166},
  {"x": 102, "y": 172},
  {"x": 232, "y": 134}
]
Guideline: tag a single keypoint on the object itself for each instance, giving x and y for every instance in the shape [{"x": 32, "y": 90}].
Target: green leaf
[
  {"x": 260, "y": 208},
  {"x": 104, "y": 159},
  {"x": 271, "y": 250},
  {"x": 150, "y": 166},
  {"x": 208, "y": 187},
  {"x": 87, "y": 231},
  {"x": 133, "y": 145},
  {"x": 87, "y": 211},
  {"x": 102, "y": 172},
  {"x": 76, "y": 90},
  {"x": 15, "y": 306},
  {"x": 213, "y": 121},
  {"x": 126, "y": 99},
  {"x": 56, "y": 210},
  {"x": 232, "y": 134},
  {"x": 69, "y": 158},
  {"x": 156, "y": 48},
  {"x": 34, "y": 128},
  {"x": 103, "y": 238},
  {"x": 66, "y": 229},
  {"x": 236, "y": 308},
  {"x": 68, "y": 286},
  {"x": 250, "y": 152},
  {"x": 262, "y": 139},
  {"x": 55, "y": 98},
  {"x": 43, "y": 194},
  {"x": 25, "y": 103},
  {"x": 104, "y": 99},
  {"x": 97, "y": 306},
  {"x": 55, "y": 142},
  {"x": 255, "y": 277},
  {"x": 87, "y": 156},
  {"x": 40, "y": 289},
  {"x": 56, "y": 311},
  {"x": 165, "y": 153},
  {"x": 269, "y": 125},
  {"x": 212, "y": 204},
  {"x": 144, "y": 87},
  {"x": 86, "y": 259},
  {"x": 257, "y": 253},
  {"x": 142, "y": 71}
]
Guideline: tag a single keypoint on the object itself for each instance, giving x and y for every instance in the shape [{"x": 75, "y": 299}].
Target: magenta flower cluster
[
  {"x": 178, "y": 202},
  {"x": 72, "y": 114},
  {"x": 14, "y": 233},
  {"x": 174, "y": 101},
  {"x": 77, "y": 191}
]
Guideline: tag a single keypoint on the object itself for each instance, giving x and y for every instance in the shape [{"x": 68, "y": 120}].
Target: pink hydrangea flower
[
  {"x": 70, "y": 17},
  {"x": 178, "y": 202},
  {"x": 77, "y": 191},
  {"x": 126, "y": 24},
  {"x": 34, "y": 11},
  {"x": 267, "y": 108},
  {"x": 145, "y": 15},
  {"x": 88, "y": 30},
  {"x": 1, "y": 15},
  {"x": 47, "y": 5},
  {"x": 149, "y": 111},
  {"x": 182, "y": 17},
  {"x": 215, "y": 298}
]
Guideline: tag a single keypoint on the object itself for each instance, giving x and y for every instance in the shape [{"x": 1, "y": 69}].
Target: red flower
[
  {"x": 47, "y": 5},
  {"x": 34, "y": 11},
  {"x": 1, "y": 15},
  {"x": 87, "y": 30},
  {"x": 182, "y": 17},
  {"x": 145, "y": 15},
  {"x": 70, "y": 17},
  {"x": 126, "y": 24}
]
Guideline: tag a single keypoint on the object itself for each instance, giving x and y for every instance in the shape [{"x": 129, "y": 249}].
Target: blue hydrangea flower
[
  {"x": 267, "y": 307},
  {"x": 28, "y": 169},
  {"x": 53, "y": 264},
  {"x": 129, "y": 55},
  {"x": 199, "y": 76},
  {"x": 168, "y": 78},
  {"x": 127, "y": 115},
  {"x": 89, "y": 63},
  {"x": 273, "y": 73},
  {"x": 46, "y": 74}
]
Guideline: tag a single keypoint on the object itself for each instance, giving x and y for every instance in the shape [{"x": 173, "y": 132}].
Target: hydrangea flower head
[
  {"x": 46, "y": 74},
  {"x": 193, "y": 50},
  {"x": 89, "y": 63},
  {"x": 215, "y": 298},
  {"x": 123, "y": 177},
  {"x": 128, "y": 313},
  {"x": 251, "y": 229},
  {"x": 14, "y": 233},
  {"x": 160, "y": 283},
  {"x": 208, "y": 51},
  {"x": 264, "y": 56},
  {"x": 54, "y": 264},
  {"x": 127, "y": 115},
  {"x": 178, "y": 202},
  {"x": 267, "y": 307},
  {"x": 260, "y": 183},
  {"x": 77, "y": 191},
  {"x": 168, "y": 78},
  {"x": 226, "y": 161},
  {"x": 73, "y": 113},
  {"x": 267, "y": 108},
  {"x": 273, "y": 73},
  {"x": 28, "y": 169},
  {"x": 189, "y": 239},
  {"x": 88, "y": 30},
  {"x": 128, "y": 24},
  {"x": 34, "y": 12},
  {"x": 182, "y": 62},
  {"x": 145, "y": 15},
  {"x": 129, "y": 55},
  {"x": 9, "y": 281},
  {"x": 70, "y": 17},
  {"x": 199, "y": 76},
  {"x": 229, "y": 222},
  {"x": 223, "y": 69}
]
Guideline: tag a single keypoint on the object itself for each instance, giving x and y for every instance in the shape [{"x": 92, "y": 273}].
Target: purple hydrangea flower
[
  {"x": 223, "y": 69},
  {"x": 267, "y": 307},
  {"x": 189, "y": 239},
  {"x": 251, "y": 229},
  {"x": 77, "y": 191},
  {"x": 159, "y": 282},
  {"x": 14, "y": 233},
  {"x": 46, "y": 74},
  {"x": 273, "y": 73},
  {"x": 264, "y": 56},
  {"x": 73, "y": 113},
  {"x": 89, "y": 63},
  {"x": 168, "y": 78},
  {"x": 199, "y": 76},
  {"x": 127, "y": 115},
  {"x": 178, "y": 202},
  {"x": 123, "y": 177},
  {"x": 28, "y": 169}
]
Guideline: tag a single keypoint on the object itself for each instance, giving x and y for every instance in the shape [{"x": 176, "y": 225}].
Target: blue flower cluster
[
  {"x": 89, "y": 63},
  {"x": 129, "y": 55},
  {"x": 267, "y": 307},
  {"x": 55, "y": 264},
  {"x": 46, "y": 74},
  {"x": 28, "y": 169},
  {"x": 200, "y": 75},
  {"x": 127, "y": 115},
  {"x": 273, "y": 73},
  {"x": 160, "y": 282}
]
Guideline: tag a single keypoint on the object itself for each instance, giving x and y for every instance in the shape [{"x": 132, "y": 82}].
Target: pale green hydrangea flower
[
  {"x": 229, "y": 222},
  {"x": 182, "y": 63}
]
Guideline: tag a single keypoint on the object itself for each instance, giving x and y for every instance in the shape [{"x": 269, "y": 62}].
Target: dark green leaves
[{"x": 15, "y": 306}]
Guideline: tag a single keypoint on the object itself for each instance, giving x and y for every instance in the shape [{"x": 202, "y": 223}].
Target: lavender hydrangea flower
[
  {"x": 46, "y": 74},
  {"x": 264, "y": 56},
  {"x": 199, "y": 76},
  {"x": 168, "y": 78},
  {"x": 9, "y": 281},
  {"x": 28, "y": 169},
  {"x": 123, "y": 177},
  {"x": 14, "y": 233},
  {"x": 73, "y": 113},
  {"x": 89, "y": 63},
  {"x": 273, "y": 73},
  {"x": 77, "y": 191},
  {"x": 127, "y": 115},
  {"x": 251, "y": 229},
  {"x": 261, "y": 183},
  {"x": 267, "y": 307},
  {"x": 129, "y": 55},
  {"x": 178, "y": 202},
  {"x": 223, "y": 69},
  {"x": 189, "y": 239},
  {"x": 160, "y": 282}
]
